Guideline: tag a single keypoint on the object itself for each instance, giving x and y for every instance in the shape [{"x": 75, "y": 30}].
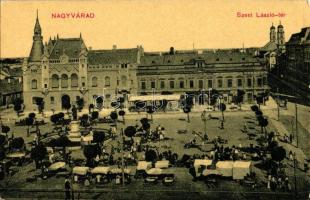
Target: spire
[
  {"x": 37, "y": 27},
  {"x": 37, "y": 44}
]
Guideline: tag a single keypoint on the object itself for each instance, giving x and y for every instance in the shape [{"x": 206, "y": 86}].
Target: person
[
  {"x": 291, "y": 157},
  {"x": 291, "y": 138},
  {"x": 67, "y": 189}
]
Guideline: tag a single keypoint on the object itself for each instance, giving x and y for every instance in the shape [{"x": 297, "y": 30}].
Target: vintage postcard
[{"x": 155, "y": 99}]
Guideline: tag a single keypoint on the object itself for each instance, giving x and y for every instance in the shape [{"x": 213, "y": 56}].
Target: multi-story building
[
  {"x": 64, "y": 69},
  {"x": 196, "y": 71},
  {"x": 297, "y": 63}
]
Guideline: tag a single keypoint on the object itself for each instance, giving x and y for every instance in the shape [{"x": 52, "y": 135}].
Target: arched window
[
  {"x": 107, "y": 81},
  {"x": 74, "y": 80},
  {"x": 55, "y": 83},
  {"x": 34, "y": 84},
  {"x": 124, "y": 81},
  {"x": 94, "y": 81},
  {"x": 64, "y": 80}
]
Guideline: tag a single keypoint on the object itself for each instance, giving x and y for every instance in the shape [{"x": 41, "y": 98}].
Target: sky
[{"x": 157, "y": 25}]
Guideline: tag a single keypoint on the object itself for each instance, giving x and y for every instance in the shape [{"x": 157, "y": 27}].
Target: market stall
[{"x": 241, "y": 169}]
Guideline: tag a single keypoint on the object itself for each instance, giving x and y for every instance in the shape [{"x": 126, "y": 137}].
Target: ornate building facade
[{"x": 64, "y": 69}]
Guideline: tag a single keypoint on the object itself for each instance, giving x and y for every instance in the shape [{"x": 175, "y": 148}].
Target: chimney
[
  {"x": 114, "y": 47},
  {"x": 90, "y": 48}
]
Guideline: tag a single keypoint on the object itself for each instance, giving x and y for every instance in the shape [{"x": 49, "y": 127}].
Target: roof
[
  {"x": 68, "y": 46},
  {"x": 270, "y": 46},
  {"x": 242, "y": 164},
  {"x": 9, "y": 88},
  {"x": 297, "y": 38},
  {"x": 172, "y": 97},
  {"x": 219, "y": 56},
  {"x": 113, "y": 56},
  {"x": 224, "y": 164},
  {"x": 199, "y": 162}
]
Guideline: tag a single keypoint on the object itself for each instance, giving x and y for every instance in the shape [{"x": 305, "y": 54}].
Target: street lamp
[{"x": 204, "y": 119}]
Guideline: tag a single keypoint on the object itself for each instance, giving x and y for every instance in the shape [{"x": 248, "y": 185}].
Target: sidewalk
[
  {"x": 10, "y": 114},
  {"x": 300, "y": 156}
]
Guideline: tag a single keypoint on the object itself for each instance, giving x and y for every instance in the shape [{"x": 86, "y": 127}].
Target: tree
[
  {"x": 263, "y": 122},
  {"x": 254, "y": 108},
  {"x": 122, "y": 114},
  {"x": 98, "y": 137},
  {"x": 3, "y": 140},
  {"x": 164, "y": 104},
  {"x": 130, "y": 131},
  {"x": 5, "y": 130},
  {"x": 66, "y": 104},
  {"x": 94, "y": 115},
  {"x": 40, "y": 103},
  {"x": 99, "y": 102},
  {"x": 18, "y": 106},
  {"x": 38, "y": 153},
  {"x": 74, "y": 112},
  {"x": 278, "y": 154},
  {"x": 144, "y": 120},
  {"x": 150, "y": 110},
  {"x": 187, "y": 110},
  {"x": 150, "y": 155},
  {"x": 84, "y": 120},
  {"x": 259, "y": 100},
  {"x": 90, "y": 152},
  {"x": 114, "y": 116},
  {"x": 121, "y": 101},
  {"x": 29, "y": 122},
  {"x": 32, "y": 115},
  {"x": 17, "y": 143},
  {"x": 80, "y": 104},
  {"x": 91, "y": 108},
  {"x": 222, "y": 108},
  {"x": 239, "y": 98}
]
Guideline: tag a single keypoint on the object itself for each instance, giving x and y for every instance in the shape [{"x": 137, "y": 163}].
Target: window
[
  {"x": 55, "y": 82},
  {"x": 249, "y": 81},
  {"x": 229, "y": 83},
  {"x": 265, "y": 78},
  {"x": 200, "y": 84},
  {"x": 107, "y": 81},
  {"x": 219, "y": 83},
  {"x": 124, "y": 80},
  {"x": 45, "y": 85},
  {"x": 199, "y": 64},
  {"x": 191, "y": 84},
  {"x": 74, "y": 80},
  {"x": 162, "y": 84},
  {"x": 34, "y": 84},
  {"x": 83, "y": 81},
  {"x": 94, "y": 81},
  {"x": 209, "y": 83},
  {"x": 143, "y": 85},
  {"x": 171, "y": 84},
  {"x": 52, "y": 100},
  {"x": 239, "y": 82},
  {"x": 64, "y": 81},
  {"x": 34, "y": 100},
  {"x": 259, "y": 82},
  {"x": 153, "y": 84},
  {"x": 181, "y": 84}
]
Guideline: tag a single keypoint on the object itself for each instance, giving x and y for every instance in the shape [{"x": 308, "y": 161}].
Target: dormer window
[
  {"x": 243, "y": 58},
  {"x": 230, "y": 59},
  {"x": 153, "y": 61}
]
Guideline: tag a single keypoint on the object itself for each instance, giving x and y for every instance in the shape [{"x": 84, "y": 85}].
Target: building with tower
[
  {"x": 275, "y": 47},
  {"x": 65, "y": 70}
]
